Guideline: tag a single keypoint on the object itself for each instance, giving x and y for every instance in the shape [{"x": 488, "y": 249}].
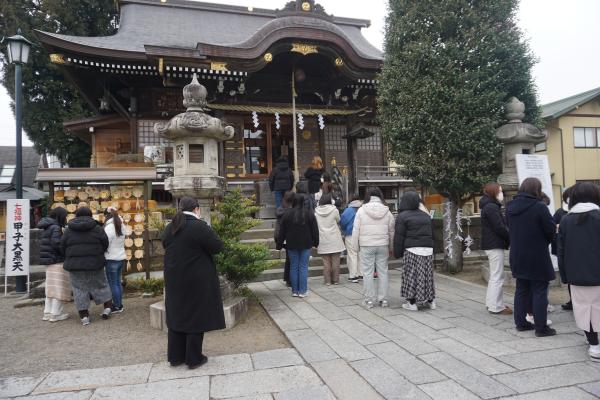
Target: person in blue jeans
[
  {"x": 115, "y": 256},
  {"x": 281, "y": 180},
  {"x": 300, "y": 232}
]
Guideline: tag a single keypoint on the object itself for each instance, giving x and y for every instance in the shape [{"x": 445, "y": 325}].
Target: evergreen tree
[
  {"x": 48, "y": 99},
  {"x": 449, "y": 68}
]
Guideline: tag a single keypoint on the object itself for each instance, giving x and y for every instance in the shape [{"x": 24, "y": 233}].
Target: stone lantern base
[{"x": 198, "y": 187}]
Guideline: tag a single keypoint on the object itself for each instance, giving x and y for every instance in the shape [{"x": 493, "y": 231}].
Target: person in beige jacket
[
  {"x": 331, "y": 243},
  {"x": 373, "y": 235}
]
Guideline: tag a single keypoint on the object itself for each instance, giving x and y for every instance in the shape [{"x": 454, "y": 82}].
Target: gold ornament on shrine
[
  {"x": 268, "y": 57},
  {"x": 57, "y": 59},
  {"x": 339, "y": 61},
  {"x": 304, "y": 48},
  {"x": 218, "y": 66},
  {"x": 306, "y": 6}
]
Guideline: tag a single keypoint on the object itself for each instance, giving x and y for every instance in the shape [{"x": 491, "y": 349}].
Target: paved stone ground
[{"x": 343, "y": 351}]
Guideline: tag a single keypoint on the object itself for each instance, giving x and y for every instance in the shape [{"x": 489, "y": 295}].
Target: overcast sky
[{"x": 563, "y": 34}]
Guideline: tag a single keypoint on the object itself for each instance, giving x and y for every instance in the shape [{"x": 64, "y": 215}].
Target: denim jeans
[
  {"x": 278, "y": 197},
  {"x": 299, "y": 270},
  {"x": 113, "y": 275},
  {"x": 371, "y": 258}
]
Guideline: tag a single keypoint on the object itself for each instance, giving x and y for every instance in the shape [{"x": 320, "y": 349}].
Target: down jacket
[
  {"x": 50, "y": 242},
  {"x": 83, "y": 245},
  {"x": 373, "y": 225},
  {"x": 116, "y": 244},
  {"x": 330, "y": 236},
  {"x": 281, "y": 178},
  {"x": 414, "y": 227},
  {"x": 494, "y": 231}
]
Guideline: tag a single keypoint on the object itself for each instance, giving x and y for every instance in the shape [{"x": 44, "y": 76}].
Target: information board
[{"x": 536, "y": 166}]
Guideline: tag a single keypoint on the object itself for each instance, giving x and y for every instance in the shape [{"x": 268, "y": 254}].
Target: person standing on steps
[
  {"x": 57, "y": 286},
  {"x": 494, "y": 240},
  {"x": 281, "y": 180},
  {"x": 331, "y": 244},
  {"x": 286, "y": 204},
  {"x": 300, "y": 233},
  {"x": 413, "y": 240},
  {"x": 558, "y": 216},
  {"x": 579, "y": 260},
  {"x": 84, "y": 244},
  {"x": 193, "y": 301},
  {"x": 347, "y": 225},
  {"x": 531, "y": 229},
  {"x": 373, "y": 236},
  {"x": 115, "y": 256},
  {"x": 314, "y": 174}
]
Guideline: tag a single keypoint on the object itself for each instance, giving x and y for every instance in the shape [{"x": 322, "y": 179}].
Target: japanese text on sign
[{"x": 17, "y": 237}]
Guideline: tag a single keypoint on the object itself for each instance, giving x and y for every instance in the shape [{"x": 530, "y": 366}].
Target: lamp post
[{"x": 18, "y": 53}]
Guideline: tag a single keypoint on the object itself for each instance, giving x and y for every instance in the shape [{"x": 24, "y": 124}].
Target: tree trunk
[{"x": 453, "y": 239}]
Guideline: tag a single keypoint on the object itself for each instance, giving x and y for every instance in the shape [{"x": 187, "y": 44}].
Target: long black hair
[
  {"x": 112, "y": 213},
  {"x": 299, "y": 211},
  {"x": 373, "y": 192},
  {"x": 185, "y": 204},
  {"x": 60, "y": 215},
  {"x": 83, "y": 212}
]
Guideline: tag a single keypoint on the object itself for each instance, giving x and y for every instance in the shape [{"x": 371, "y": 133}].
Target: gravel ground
[{"x": 30, "y": 346}]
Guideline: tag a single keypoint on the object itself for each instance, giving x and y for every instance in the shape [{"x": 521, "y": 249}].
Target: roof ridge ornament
[{"x": 303, "y": 7}]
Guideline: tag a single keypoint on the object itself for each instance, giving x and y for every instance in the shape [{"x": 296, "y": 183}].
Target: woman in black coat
[
  {"x": 531, "y": 230},
  {"x": 313, "y": 174},
  {"x": 494, "y": 239},
  {"x": 84, "y": 244},
  {"x": 578, "y": 259},
  {"x": 192, "y": 290}
]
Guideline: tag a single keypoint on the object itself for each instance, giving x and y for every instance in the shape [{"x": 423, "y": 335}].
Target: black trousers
[
  {"x": 184, "y": 347},
  {"x": 591, "y": 336},
  {"x": 531, "y": 296}
]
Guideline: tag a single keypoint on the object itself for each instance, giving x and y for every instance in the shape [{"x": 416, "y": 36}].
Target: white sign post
[
  {"x": 17, "y": 240},
  {"x": 536, "y": 166}
]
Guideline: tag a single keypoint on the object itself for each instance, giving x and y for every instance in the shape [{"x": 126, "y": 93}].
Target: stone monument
[
  {"x": 196, "y": 136},
  {"x": 517, "y": 137}
]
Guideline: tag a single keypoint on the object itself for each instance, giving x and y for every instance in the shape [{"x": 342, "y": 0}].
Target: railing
[{"x": 385, "y": 173}]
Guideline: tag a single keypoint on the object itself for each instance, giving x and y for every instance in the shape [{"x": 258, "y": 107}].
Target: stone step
[
  {"x": 268, "y": 243},
  {"x": 266, "y": 224},
  {"x": 264, "y": 233}
]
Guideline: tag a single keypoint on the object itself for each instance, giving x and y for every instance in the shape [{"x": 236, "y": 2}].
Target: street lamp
[{"x": 18, "y": 53}]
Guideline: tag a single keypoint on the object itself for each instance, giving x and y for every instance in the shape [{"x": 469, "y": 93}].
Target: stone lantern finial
[
  {"x": 515, "y": 110},
  {"x": 194, "y": 95}
]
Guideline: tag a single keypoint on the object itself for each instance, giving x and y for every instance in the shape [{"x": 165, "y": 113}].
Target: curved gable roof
[{"x": 185, "y": 24}]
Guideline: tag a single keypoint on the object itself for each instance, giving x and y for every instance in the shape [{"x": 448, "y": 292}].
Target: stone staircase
[{"x": 264, "y": 233}]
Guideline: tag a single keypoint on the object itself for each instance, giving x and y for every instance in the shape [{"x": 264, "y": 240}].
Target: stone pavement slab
[
  {"x": 83, "y": 395},
  {"x": 546, "y": 358},
  {"x": 276, "y": 358},
  {"x": 215, "y": 366},
  {"x": 321, "y": 392},
  {"x": 360, "y": 332},
  {"x": 534, "y": 380},
  {"x": 343, "y": 344},
  {"x": 389, "y": 383},
  {"x": 262, "y": 382},
  {"x": 345, "y": 382},
  {"x": 447, "y": 390},
  {"x": 481, "y": 362},
  {"x": 570, "y": 393},
  {"x": 311, "y": 346},
  {"x": 18, "y": 386},
  {"x": 181, "y": 389},
  {"x": 65, "y": 381},
  {"x": 593, "y": 388},
  {"x": 478, "y": 342}
]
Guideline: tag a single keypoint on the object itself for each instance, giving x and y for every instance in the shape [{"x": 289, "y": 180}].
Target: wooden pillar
[
  {"x": 351, "y": 146},
  {"x": 147, "y": 255},
  {"x": 133, "y": 133}
]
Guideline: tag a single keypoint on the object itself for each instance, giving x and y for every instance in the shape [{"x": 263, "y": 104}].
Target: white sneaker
[
  {"x": 106, "y": 313},
  {"x": 46, "y": 317},
  {"x": 303, "y": 295},
  {"x": 294, "y": 294},
  {"x": 551, "y": 308},
  {"x": 85, "y": 321},
  {"x": 368, "y": 304},
  {"x": 529, "y": 319},
  {"x": 432, "y": 305},
  {"x": 383, "y": 303},
  {"x": 594, "y": 353},
  {"x": 410, "y": 307},
  {"x": 56, "y": 318}
]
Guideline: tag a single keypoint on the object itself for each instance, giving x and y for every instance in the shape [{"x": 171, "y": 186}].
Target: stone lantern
[
  {"x": 196, "y": 152},
  {"x": 517, "y": 137}
]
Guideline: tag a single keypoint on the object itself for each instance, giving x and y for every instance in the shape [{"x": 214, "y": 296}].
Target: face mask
[{"x": 500, "y": 197}]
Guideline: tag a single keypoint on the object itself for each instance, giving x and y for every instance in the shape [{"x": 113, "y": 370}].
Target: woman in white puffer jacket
[
  {"x": 115, "y": 256},
  {"x": 373, "y": 235}
]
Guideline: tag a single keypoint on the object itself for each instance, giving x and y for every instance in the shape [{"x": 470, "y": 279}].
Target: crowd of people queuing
[{"x": 533, "y": 237}]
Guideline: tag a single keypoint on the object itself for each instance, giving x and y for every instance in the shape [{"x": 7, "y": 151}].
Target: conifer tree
[{"x": 450, "y": 66}]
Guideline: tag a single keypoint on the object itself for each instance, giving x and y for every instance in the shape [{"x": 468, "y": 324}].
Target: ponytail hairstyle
[
  {"x": 185, "y": 204},
  {"x": 112, "y": 213}
]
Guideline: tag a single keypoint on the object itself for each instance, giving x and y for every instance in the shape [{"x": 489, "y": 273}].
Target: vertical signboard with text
[
  {"x": 17, "y": 238},
  {"x": 536, "y": 166}
]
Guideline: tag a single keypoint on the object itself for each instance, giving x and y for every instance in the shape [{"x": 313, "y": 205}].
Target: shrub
[
  {"x": 239, "y": 262},
  {"x": 152, "y": 285}
]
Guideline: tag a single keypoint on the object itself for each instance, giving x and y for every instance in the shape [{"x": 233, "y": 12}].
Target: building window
[
  {"x": 372, "y": 143},
  {"x": 586, "y": 137},
  {"x": 333, "y": 138},
  {"x": 541, "y": 147},
  {"x": 196, "y": 153},
  {"x": 147, "y": 137},
  {"x": 6, "y": 174}
]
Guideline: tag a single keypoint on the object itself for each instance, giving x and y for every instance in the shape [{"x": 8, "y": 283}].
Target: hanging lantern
[
  {"x": 321, "y": 122},
  {"x": 255, "y": 119}
]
